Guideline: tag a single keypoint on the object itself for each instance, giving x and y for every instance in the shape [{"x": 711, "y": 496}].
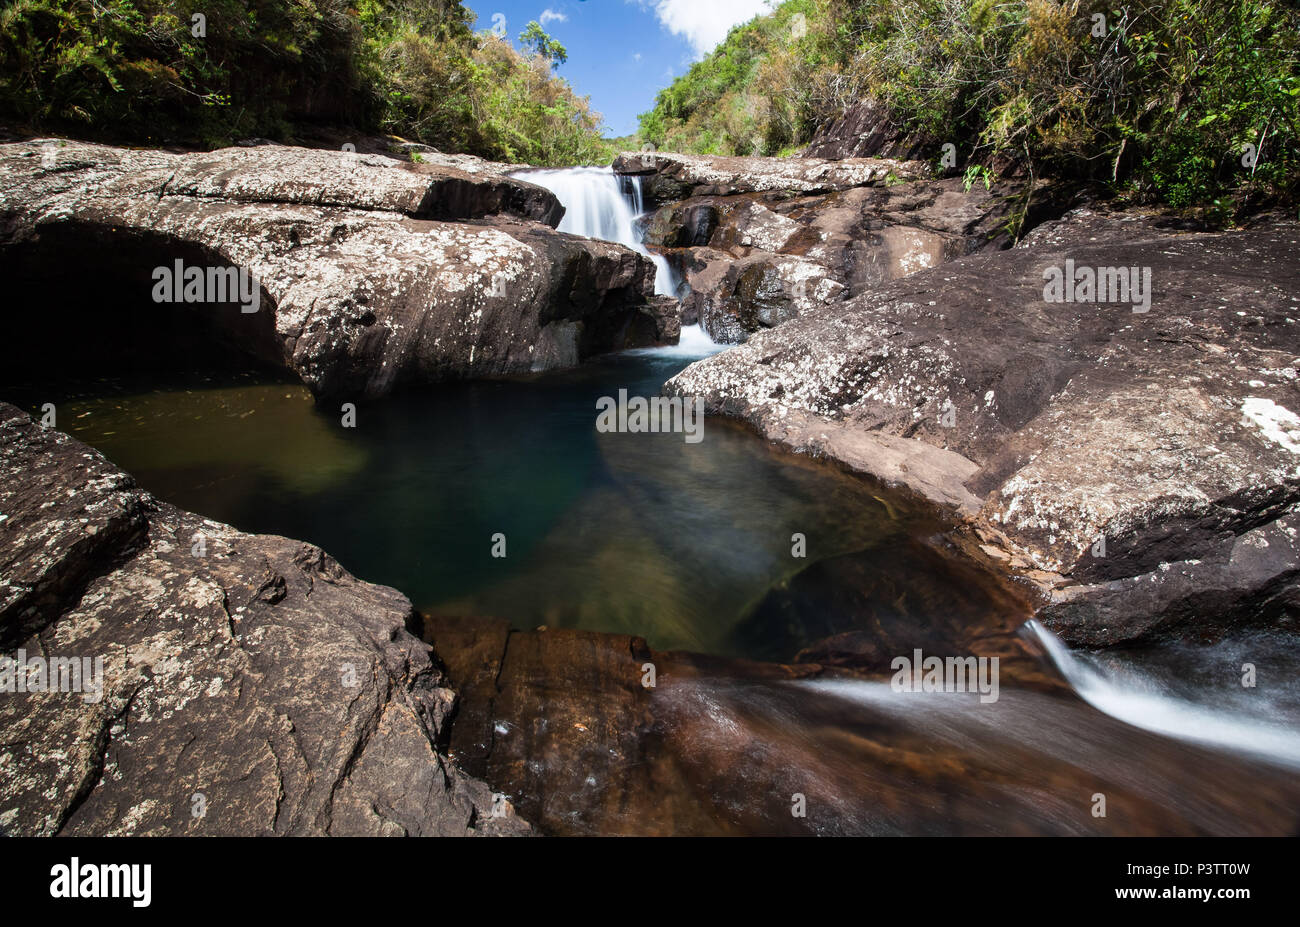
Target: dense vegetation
[
  {"x": 209, "y": 71},
  {"x": 1186, "y": 102}
]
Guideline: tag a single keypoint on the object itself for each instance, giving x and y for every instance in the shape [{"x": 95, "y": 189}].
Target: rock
[
  {"x": 285, "y": 174},
  {"x": 1253, "y": 576},
  {"x": 676, "y": 176},
  {"x": 757, "y": 243},
  {"x": 578, "y": 693},
  {"x": 562, "y": 721},
  {"x": 250, "y": 685},
  {"x": 664, "y": 316},
  {"x": 733, "y": 297},
  {"x": 1170, "y": 433},
  {"x": 365, "y": 282},
  {"x": 817, "y": 250},
  {"x": 866, "y": 129},
  {"x": 414, "y": 151}
]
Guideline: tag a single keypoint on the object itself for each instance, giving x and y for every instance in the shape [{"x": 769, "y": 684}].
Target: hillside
[
  {"x": 1186, "y": 103},
  {"x": 183, "y": 72}
]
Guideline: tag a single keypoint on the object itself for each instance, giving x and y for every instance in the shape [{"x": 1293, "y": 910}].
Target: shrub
[
  {"x": 135, "y": 70},
  {"x": 1159, "y": 99}
]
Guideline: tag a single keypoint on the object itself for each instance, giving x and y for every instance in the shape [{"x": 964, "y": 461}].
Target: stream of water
[
  {"x": 501, "y": 498},
  {"x": 601, "y": 204}
]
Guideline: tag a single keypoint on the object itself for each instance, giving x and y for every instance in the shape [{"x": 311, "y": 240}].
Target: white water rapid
[
  {"x": 600, "y": 204},
  {"x": 1237, "y": 719}
]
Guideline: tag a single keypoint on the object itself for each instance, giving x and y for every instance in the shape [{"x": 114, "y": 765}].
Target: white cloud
[
  {"x": 705, "y": 23},
  {"x": 549, "y": 15}
]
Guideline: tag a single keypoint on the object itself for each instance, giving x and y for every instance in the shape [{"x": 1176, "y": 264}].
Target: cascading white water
[
  {"x": 600, "y": 204},
  {"x": 1142, "y": 699}
]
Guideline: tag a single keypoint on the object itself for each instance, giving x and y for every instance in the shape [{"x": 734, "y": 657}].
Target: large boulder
[
  {"x": 248, "y": 684},
  {"x": 1139, "y": 463},
  {"x": 752, "y": 260},
  {"x": 670, "y": 177},
  {"x": 371, "y": 272},
  {"x": 731, "y": 297}
]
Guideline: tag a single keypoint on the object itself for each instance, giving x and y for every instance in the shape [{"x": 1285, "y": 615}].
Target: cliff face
[{"x": 233, "y": 684}]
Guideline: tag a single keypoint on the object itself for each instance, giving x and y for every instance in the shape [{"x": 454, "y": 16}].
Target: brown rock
[{"x": 249, "y": 684}]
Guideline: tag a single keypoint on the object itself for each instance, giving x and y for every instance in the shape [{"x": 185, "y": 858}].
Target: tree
[{"x": 536, "y": 39}]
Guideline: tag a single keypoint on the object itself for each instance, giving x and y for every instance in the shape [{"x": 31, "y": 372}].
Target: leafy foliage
[
  {"x": 149, "y": 70},
  {"x": 542, "y": 44},
  {"x": 1186, "y": 102}
]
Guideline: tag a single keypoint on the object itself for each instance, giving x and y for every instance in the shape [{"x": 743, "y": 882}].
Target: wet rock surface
[
  {"x": 372, "y": 272},
  {"x": 249, "y": 684},
  {"x": 1170, "y": 433},
  {"x": 563, "y": 722}
]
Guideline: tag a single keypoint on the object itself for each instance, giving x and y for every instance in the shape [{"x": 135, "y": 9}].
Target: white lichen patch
[{"x": 1276, "y": 423}]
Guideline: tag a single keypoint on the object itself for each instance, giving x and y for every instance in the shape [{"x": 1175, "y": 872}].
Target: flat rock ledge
[
  {"x": 250, "y": 685},
  {"x": 1140, "y": 468},
  {"x": 371, "y": 272},
  {"x": 677, "y": 176}
]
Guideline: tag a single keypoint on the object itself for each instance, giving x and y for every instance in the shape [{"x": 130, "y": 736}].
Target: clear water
[
  {"x": 692, "y": 546},
  {"x": 689, "y": 545},
  {"x": 635, "y": 533}
]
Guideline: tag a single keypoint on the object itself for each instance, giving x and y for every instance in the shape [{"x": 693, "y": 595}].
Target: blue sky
[{"x": 623, "y": 52}]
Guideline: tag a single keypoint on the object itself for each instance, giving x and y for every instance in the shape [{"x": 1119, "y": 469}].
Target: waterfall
[
  {"x": 600, "y": 204},
  {"x": 1227, "y": 717}
]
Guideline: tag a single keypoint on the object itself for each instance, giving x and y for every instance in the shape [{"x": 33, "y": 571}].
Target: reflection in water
[{"x": 188, "y": 442}]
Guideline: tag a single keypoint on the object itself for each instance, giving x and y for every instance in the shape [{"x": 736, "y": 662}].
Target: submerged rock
[
  {"x": 369, "y": 272},
  {"x": 1139, "y": 462},
  {"x": 248, "y": 684},
  {"x": 569, "y": 725}
]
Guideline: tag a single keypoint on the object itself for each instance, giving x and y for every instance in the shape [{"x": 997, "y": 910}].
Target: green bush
[
  {"x": 137, "y": 69},
  {"x": 1159, "y": 101},
  {"x": 140, "y": 71}
]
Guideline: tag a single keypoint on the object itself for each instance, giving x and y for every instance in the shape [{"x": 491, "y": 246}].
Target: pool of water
[
  {"x": 694, "y": 546},
  {"x": 646, "y": 534}
]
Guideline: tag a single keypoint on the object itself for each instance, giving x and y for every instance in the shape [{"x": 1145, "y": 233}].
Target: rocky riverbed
[
  {"x": 371, "y": 272},
  {"x": 1142, "y": 468},
  {"x": 1125, "y": 469}
]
